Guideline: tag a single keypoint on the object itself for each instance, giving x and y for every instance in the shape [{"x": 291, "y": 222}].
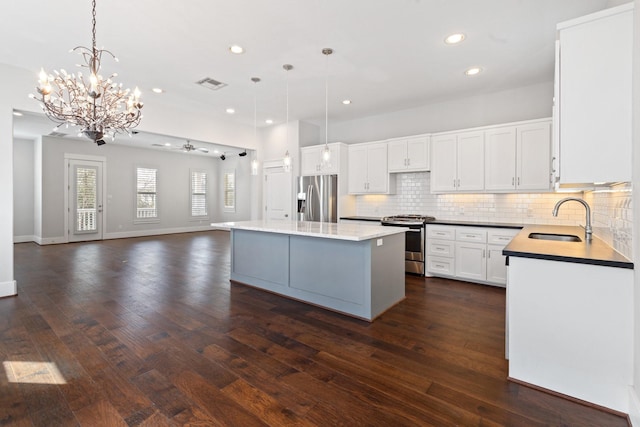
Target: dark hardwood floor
[{"x": 149, "y": 331}]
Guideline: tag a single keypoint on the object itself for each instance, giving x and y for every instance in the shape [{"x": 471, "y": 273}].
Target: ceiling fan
[{"x": 186, "y": 147}]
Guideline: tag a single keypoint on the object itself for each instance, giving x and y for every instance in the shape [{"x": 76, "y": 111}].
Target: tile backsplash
[{"x": 611, "y": 210}]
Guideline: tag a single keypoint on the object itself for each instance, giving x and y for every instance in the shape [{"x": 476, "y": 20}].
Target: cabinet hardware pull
[
  {"x": 518, "y": 181},
  {"x": 483, "y": 253},
  {"x": 513, "y": 181}
]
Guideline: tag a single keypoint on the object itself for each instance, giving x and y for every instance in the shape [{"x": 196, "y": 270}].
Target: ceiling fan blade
[
  {"x": 158, "y": 145},
  {"x": 204, "y": 150}
]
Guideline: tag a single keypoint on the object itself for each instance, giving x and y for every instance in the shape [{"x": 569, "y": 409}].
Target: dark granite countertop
[
  {"x": 362, "y": 218},
  {"x": 476, "y": 224},
  {"x": 597, "y": 252}
]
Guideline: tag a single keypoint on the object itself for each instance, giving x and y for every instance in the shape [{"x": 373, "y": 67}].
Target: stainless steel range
[{"x": 414, "y": 237}]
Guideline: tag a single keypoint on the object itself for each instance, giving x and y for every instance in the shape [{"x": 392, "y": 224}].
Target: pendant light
[
  {"x": 326, "y": 153},
  {"x": 254, "y": 162},
  {"x": 286, "y": 162}
]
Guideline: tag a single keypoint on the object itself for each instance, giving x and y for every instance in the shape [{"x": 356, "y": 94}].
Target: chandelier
[{"x": 98, "y": 106}]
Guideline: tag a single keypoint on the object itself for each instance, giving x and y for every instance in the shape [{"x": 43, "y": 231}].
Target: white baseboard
[
  {"x": 634, "y": 407},
  {"x": 23, "y": 239},
  {"x": 155, "y": 232},
  {"x": 8, "y": 289},
  {"x": 48, "y": 240}
]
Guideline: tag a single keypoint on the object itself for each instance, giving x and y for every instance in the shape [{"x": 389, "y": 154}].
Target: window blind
[
  {"x": 198, "y": 193},
  {"x": 229, "y": 190},
  {"x": 146, "y": 184}
]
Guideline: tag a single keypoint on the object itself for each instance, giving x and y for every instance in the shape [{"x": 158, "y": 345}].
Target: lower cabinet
[{"x": 468, "y": 253}]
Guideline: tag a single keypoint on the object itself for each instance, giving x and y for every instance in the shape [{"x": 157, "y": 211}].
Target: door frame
[{"x": 68, "y": 157}]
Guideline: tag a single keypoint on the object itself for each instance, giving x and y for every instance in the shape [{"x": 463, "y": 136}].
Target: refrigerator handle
[{"x": 310, "y": 203}]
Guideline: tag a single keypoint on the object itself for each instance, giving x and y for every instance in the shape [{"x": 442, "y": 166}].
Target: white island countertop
[{"x": 327, "y": 230}]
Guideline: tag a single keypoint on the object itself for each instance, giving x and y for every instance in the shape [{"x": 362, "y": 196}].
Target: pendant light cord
[{"x": 326, "y": 104}]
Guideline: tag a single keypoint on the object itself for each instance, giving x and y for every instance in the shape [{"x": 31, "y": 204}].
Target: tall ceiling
[{"x": 389, "y": 55}]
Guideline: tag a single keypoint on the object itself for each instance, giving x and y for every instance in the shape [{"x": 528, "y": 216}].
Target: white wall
[
  {"x": 635, "y": 390},
  {"x": 23, "y": 195},
  {"x": 244, "y": 208},
  {"x": 530, "y": 102},
  {"x": 121, "y": 161}
]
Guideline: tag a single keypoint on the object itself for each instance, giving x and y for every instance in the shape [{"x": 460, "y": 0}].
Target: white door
[
  {"x": 278, "y": 194},
  {"x": 85, "y": 205}
]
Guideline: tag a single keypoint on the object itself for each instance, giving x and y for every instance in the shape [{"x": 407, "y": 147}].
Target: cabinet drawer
[
  {"x": 445, "y": 233},
  {"x": 439, "y": 265},
  {"x": 501, "y": 236},
  {"x": 442, "y": 248},
  {"x": 466, "y": 234}
]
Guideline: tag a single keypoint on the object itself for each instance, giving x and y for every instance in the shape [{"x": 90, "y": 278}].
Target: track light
[
  {"x": 244, "y": 153},
  {"x": 222, "y": 157}
]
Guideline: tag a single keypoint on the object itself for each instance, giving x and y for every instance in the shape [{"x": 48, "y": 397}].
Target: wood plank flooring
[{"x": 150, "y": 332}]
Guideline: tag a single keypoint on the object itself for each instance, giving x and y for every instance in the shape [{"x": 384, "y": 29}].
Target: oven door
[{"x": 414, "y": 251}]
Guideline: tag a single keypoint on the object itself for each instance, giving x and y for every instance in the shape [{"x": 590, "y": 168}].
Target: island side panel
[
  {"x": 332, "y": 273},
  {"x": 260, "y": 259},
  {"x": 387, "y": 272}
]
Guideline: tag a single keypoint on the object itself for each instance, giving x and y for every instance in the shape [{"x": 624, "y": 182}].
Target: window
[
  {"x": 146, "y": 199},
  {"x": 230, "y": 191},
  {"x": 199, "y": 194}
]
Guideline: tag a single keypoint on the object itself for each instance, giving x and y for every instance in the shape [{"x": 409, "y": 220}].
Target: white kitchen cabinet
[
  {"x": 595, "y": 92},
  {"x": 518, "y": 157},
  {"x": 571, "y": 329},
  {"x": 409, "y": 154},
  {"x": 458, "y": 162},
  {"x": 368, "y": 170},
  {"x": 311, "y": 159},
  {"x": 468, "y": 253}
]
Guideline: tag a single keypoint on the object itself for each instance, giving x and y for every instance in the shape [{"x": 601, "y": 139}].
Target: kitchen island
[{"x": 353, "y": 269}]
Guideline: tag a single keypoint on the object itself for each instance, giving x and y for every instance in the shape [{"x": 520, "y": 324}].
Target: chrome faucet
[{"x": 587, "y": 228}]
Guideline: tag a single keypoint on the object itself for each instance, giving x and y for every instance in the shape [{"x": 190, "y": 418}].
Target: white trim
[
  {"x": 8, "y": 289},
  {"x": 49, "y": 240},
  {"x": 24, "y": 239},
  {"x": 156, "y": 232},
  {"x": 634, "y": 407}
]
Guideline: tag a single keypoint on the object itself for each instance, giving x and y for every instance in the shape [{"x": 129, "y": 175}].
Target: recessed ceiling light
[
  {"x": 216, "y": 151},
  {"x": 167, "y": 144},
  {"x": 454, "y": 38},
  {"x": 157, "y": 90},
  {"x": 230, "y": 110},
  {"x": 346, "y": 101},
  {"x": 236, "y": 49},
  {"x": 473, "y": 71},
  {"x": 18, "y": 114},
  {"x": 269, "y": 121}
]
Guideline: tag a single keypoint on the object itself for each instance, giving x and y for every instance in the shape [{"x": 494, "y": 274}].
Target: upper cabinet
[
  {"x": 409, "y": 154},
  {"x": 368, "y": 169},
  {"x": 518, "y": 157},
  {"x": 594, "y": 91},
  {"x": 458, "y": 162},
  {"x": 311, "y": 159}
]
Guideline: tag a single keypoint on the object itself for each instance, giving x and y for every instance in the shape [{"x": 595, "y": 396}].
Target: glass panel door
[{"x": 85, "y": 200}]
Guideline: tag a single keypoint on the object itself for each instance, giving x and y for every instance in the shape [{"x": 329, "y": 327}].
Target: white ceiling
[{"x": 388, "y": 54}]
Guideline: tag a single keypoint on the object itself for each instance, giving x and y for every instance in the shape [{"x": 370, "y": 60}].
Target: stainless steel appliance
[
  {"x": 415, "y": 247},
  {"x": 318, "y": 198}
]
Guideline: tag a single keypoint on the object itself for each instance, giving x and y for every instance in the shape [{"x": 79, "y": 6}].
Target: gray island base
[{"x": 353, "y": 269}]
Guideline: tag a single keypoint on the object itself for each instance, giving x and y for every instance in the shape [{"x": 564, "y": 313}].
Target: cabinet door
[
  {"x": 471, "y": 261},
  {"x": 534, "y": 157},
  {"x": 397, "y": 151},
  {"x": 377, "y": 172},
  {"x": 334, "y": 163},
  {"x": 500, "y": 159},
  {"x": 496, "y": 265},
  {"x": 470, "y": 161},
  {"x": 310, "y": 158},
  {"x": 595, "y": 98},
  {"x": 357, "y": 169},
  {"x": 418, "y": 153},
  {"x": 443, "y": 171}
]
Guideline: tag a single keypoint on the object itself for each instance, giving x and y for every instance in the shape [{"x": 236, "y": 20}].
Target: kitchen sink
[{"x": 555, "y": 237}]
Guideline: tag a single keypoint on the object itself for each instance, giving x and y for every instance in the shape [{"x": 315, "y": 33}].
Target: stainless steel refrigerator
[{"x": 318, "y": 198}]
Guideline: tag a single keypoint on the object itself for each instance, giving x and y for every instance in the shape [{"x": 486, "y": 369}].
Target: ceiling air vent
[
  {"x": 58, "y": 134},
  {"x": 210, "y": 83}
]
